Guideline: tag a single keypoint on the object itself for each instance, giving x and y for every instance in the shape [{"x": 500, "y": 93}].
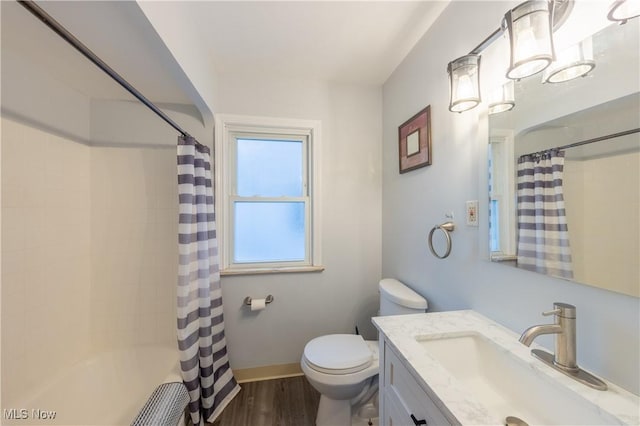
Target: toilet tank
[{"x": 397, "y": 299}]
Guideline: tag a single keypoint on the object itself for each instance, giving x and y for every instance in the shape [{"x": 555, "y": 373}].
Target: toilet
[{"x": 344, "y": 368}]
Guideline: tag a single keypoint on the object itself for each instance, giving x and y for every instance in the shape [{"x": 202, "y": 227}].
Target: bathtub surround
[
  {"x": 601, "y": 176},
  {"x": 134, "y": 223},
  {"x": 89, "y": 252},
  {"x": 201, "y": 340},
  {"x": 90, "y": 218},
  {"x": 78, "y": 396},
  {"x": 46, "y": 237}
]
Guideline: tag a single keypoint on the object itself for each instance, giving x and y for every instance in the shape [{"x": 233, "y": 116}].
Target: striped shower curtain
[
  {"x": 543, "y": 237},
  {"x": 203, "y": 349}
]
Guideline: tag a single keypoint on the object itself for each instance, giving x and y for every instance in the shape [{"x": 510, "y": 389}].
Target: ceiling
[{"x": 342, "y": 41}]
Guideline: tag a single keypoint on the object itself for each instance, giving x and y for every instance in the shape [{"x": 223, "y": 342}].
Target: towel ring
[{"x": 446, "y": 227}]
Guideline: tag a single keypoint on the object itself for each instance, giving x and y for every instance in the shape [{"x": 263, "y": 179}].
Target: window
[
  {"x": 266, "y": 210},
  {"x": 502, "y": 217}
]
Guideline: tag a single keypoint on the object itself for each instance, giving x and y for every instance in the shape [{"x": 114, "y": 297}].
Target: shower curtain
[
  {"x": 201, "y": 341},
  {"x": 543, "y": 238}
]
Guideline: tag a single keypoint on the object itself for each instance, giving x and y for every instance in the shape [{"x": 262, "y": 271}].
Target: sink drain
[{"x": 515, "y": 421}]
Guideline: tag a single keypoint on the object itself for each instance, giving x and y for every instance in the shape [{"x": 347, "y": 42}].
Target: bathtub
[{"x": 108, "y": 389}]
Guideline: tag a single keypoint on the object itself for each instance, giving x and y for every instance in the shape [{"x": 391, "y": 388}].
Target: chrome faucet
[
  {"x": 565, "y": 331},
  {"x": 564, "y": 359}
]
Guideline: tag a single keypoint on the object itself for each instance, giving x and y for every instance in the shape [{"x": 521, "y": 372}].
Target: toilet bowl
[{"x": 344, "y": 367}]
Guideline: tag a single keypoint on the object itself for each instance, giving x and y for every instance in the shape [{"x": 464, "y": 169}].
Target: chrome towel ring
[{"x": 446, "y": 227}]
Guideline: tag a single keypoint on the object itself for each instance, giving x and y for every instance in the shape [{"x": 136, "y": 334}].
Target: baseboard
[{"x": 267, "y": 372}]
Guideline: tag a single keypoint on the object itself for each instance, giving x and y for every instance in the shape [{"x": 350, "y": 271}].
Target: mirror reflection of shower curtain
[{"x": 543, "y": 238}]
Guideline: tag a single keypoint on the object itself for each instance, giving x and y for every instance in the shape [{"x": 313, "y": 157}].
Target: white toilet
[{"x": 344, "y": 367}]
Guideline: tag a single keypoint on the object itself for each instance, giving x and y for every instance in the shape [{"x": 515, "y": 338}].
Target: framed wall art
[{"x": 414, "y": 141}]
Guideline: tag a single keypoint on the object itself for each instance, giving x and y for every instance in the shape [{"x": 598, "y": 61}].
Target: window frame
[
  {"x": 503, "y": 191},
  {"x": 227, "y": 128}
]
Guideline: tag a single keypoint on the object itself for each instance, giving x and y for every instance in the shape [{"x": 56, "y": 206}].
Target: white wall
[
  {"x": 134, "y": 224},
  {"x": 608, "y": 326},
  {"x": 169, "y": 21},
  {"x": 345, "y": 294},
  {"x": 607, "y": 250},
  {"x": 30, "y": 95},
  {"x": 45, "y": 256},
  {"x": 129, "y": 123},
  {"x": 89, "y": 251}
]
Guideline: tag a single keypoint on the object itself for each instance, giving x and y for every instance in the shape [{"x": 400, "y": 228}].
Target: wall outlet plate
[{"x": 472, "y": 213}]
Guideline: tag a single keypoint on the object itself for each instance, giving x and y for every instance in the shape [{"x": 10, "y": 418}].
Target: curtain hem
[{"x": 212, "y": 418}]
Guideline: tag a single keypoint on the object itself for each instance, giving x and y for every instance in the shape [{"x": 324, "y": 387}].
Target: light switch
[{"x": 472, "y": 213}]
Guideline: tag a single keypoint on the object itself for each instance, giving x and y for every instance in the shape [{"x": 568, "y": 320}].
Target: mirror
[{"x": 592, "y": 234}]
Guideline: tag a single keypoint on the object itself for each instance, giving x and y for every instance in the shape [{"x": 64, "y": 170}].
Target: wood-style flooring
[{"x": 278, "y": 402}]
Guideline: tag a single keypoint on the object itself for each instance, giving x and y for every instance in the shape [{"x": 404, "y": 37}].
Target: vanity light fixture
[
  {"x": 502, "y": 99},
  {"x": 623, "y": 10},
  {"x": 464, "y": 83},
  {"x": 572, "y": 62},
  {"x": 529, "y": 26}
]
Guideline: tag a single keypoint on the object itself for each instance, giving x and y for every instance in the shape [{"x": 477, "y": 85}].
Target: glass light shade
[
  {"x": 623, "y": 10},
  {"x": 572, "y": 62},
  {"x": 502, "y": 99},
  {"x": 464, "y": 83},
  {"x": 529, "y": 27}
]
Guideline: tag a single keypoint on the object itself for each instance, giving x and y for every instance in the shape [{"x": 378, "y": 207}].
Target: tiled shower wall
[
  {"x": 133, "y": 246},
  {"x": 604, "y": 256},
  {"x": 45, "y": 255},
  {"x": 88, "y": 252}
]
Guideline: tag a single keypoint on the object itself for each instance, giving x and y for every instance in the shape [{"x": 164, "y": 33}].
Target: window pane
[
  {"x": 494, "y": 225},
  {"x": 269, "y": 232},
  {"x": 269, "y": 168}
]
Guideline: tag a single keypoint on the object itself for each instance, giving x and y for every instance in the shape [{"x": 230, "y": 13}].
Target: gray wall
[
  {"x": 608, "y": 325},
  {"x": 345, "y": 294}
]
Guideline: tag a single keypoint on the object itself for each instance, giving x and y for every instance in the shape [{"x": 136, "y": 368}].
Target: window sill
[
  {"x": 495, "y": 257},
  {"x": 283, "y": 270}
]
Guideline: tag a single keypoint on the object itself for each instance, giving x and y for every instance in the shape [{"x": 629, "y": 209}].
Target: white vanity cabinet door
[{"x": 403, "y": 397}]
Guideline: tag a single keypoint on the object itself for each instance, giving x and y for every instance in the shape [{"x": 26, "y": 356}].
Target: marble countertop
[{"x": 400, "y": 332}]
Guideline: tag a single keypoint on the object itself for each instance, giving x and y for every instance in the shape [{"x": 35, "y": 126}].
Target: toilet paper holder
[{"x": 247, "y": 300}]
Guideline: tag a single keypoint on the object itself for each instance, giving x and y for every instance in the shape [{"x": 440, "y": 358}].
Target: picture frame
[{"x": 414, "y": 141}]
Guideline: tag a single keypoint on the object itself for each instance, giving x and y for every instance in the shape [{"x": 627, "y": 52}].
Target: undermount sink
[{"x": 506, "y": 385}]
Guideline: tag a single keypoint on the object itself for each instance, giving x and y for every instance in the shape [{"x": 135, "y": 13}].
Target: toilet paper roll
[{"x": 258, "y": 304}]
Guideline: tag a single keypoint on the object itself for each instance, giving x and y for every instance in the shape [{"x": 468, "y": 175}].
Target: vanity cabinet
[
  {"x": 402, "y": 400},
  {"x": 459, "y": 367}
]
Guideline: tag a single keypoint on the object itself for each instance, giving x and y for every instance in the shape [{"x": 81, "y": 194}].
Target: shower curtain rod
[
  {"x": 599, "y": 138},
  {"x": 49, "y": 21}
]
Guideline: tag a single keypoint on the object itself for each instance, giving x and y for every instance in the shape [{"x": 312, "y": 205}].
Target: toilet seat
[{"x": 338, "y": 354}]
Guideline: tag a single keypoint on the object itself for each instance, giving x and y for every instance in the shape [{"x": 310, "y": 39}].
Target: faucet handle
[{"x": 562, "y": 309}]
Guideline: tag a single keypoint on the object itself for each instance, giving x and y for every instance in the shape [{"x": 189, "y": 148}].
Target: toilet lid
[{"x": 338, "y": 354}]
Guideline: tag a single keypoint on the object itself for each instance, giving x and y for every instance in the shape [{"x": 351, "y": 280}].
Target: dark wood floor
[{"x": 279, "y": 402}]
